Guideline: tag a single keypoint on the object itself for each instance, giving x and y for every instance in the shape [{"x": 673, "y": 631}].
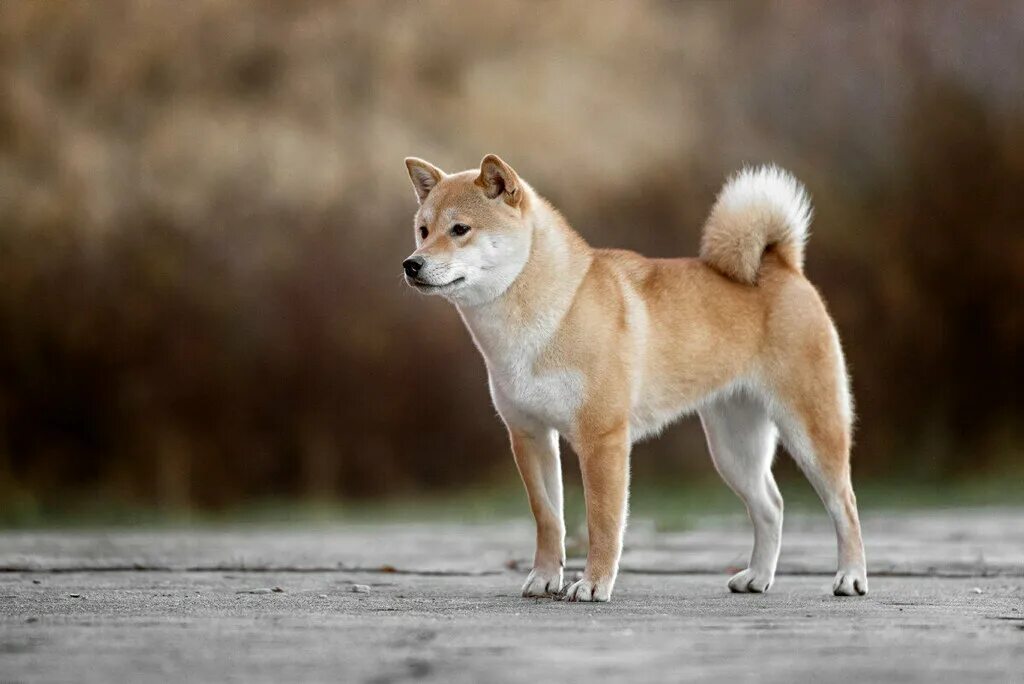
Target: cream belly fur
[{"x": 606, "y": 347}]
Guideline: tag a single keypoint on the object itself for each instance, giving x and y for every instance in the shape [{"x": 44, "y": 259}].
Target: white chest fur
[
  {"x": 514, "y": 330},
  {"x": 522, "y": 390}
]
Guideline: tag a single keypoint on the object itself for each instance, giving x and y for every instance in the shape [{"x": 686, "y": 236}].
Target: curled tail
[{"x": 758, "y": 208}]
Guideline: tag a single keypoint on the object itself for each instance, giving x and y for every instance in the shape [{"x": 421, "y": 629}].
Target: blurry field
[{"x": 203, "y": 209}]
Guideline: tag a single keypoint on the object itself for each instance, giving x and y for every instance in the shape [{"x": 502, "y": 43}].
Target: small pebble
[
  {"x": 322, "y": 596},
  {"x": 278, "y": 590},
  {"x": 32, "y": 619},
  {"x": 977, "y": 590},
  {"x": 255, "y": 591},
  {"x": 360, "y": 588},
  {"x": 75, "y": 595},
  {"x": 37, "y": 581}
]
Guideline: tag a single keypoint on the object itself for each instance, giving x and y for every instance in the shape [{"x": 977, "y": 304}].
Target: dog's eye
[
  {"x": 423, "y": 232},
  {"x": 460, "y": 229}
]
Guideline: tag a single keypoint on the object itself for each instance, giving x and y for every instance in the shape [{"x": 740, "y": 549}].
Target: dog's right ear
[{"x": 424, "y": 176}]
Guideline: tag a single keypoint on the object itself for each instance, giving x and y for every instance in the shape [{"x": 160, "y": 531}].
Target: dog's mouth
[{"x": 425, "y": 286}]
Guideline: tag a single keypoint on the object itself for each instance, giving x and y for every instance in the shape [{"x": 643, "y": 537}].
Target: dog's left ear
[{"x": 498, "y": 179}]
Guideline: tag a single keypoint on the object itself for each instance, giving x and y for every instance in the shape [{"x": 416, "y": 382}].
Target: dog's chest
[
  {"x": 551, "y": 397},
  {"x": 522, "y": 387}
]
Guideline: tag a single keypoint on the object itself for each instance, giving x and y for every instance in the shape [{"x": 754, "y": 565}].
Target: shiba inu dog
[{"x": 605, "y": 347}]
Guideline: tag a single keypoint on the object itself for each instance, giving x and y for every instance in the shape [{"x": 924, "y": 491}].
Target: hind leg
[
  {"x": 742, "y": 439},
  {"x": 814, "y": 418},
  {"x": 828, "y": 470}
]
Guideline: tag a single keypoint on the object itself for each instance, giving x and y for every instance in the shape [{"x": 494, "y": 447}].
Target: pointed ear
[
  {"x": 498, "y": 179},
  {"x": 424, "y": 176}
]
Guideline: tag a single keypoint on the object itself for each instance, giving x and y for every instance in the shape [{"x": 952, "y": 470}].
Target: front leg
[
  {"x": 536, "y": 453},
  {"x": 604, "y": 463}
]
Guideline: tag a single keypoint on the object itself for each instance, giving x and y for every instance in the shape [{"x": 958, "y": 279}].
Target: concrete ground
[{"x": 440, "y": 602}]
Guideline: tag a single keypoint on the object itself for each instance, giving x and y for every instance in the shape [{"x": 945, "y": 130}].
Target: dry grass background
[{"x": 203, "y": 209}]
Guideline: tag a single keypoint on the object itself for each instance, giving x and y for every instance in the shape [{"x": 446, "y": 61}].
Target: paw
[
  {"x": 751, "y": 581},
  {"x": 850, "y": 583},
  {"x": 543, "y": 583},
  {"x": 589, "y": 590}
]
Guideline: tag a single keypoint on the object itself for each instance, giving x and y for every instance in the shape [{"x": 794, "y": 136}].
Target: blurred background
[{"x": 203, "y": 211}]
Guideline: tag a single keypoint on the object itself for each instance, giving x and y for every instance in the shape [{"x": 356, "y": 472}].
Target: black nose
[{"x": 412, "y": 266}]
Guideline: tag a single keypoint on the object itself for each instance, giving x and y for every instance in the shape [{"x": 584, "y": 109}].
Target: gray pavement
[{"x": 946, "y": 604}]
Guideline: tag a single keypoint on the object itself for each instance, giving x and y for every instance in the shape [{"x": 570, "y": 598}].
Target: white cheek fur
[{"x": 490, "y": 264}]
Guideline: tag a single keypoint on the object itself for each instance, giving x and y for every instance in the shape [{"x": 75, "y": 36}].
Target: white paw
[
  {"x": 751, "y": 581},
  {"x": 852, "y": 582},
  {"x": 543, "y": 583},
  {"x": 586, "y": 590}
]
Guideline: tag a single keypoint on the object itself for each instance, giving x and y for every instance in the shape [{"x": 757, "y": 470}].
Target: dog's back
[{"x": 690, "y": 329}]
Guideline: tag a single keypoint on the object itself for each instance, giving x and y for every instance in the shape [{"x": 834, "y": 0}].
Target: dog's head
[{"x": 472, "y": 230}]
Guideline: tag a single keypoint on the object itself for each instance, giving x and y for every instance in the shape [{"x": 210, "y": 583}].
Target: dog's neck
[{"x": 531, "y": 309}]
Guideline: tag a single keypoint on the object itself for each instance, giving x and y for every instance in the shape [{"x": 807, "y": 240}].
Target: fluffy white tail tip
[{"x": 758, "y": 208}]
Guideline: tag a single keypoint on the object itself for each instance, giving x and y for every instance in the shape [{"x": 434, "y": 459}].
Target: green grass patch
[{"x": 670, "y": 507}]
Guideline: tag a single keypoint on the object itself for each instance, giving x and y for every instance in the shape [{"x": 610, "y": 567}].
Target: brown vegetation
[{"x": 203, "y": 211}]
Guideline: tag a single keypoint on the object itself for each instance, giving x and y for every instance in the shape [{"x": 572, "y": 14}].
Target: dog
[{"x": 606, "y": 347}]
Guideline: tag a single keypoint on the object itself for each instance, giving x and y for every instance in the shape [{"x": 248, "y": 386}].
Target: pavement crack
[{"x": 427, "y": 572}]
